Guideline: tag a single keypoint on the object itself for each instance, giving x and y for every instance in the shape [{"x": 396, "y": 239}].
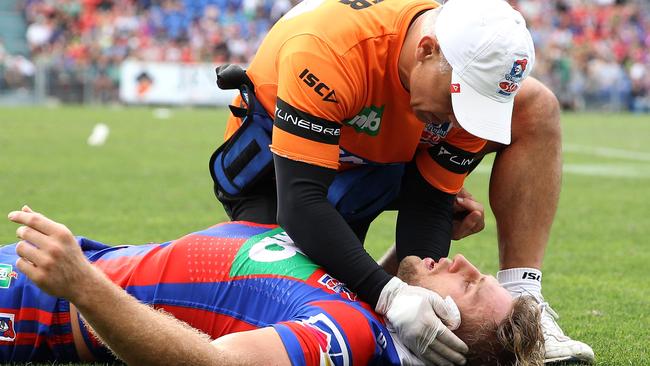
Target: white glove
[{"x": 417, "y": 315}]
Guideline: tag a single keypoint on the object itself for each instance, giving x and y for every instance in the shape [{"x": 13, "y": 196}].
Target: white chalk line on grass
[
  {"x": 596, "y": 170},
  {"x": 608, "y": 152},
  {"x": 608, "y": 170},
  {"x": 634, "y": 171}
]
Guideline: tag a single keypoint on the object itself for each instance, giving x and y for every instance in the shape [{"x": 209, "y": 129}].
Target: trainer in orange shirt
[{"x": 380, "y": 104}]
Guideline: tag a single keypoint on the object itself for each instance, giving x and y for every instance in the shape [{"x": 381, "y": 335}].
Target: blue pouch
[
  {"x": 245, "y": 157},
  {"x": 364, "y": 192}
]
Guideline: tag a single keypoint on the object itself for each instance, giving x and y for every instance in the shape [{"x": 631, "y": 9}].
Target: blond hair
[{"x": 516, "y": 340}]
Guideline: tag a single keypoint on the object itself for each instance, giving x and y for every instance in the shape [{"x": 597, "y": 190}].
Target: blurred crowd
[
  {"x": 592, "y": 53},
  {"x": 85, "y": 41}
]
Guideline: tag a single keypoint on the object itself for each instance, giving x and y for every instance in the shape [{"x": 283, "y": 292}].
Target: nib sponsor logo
[
  {"x": 368, "y": 120},
  {"x": 6, "y": 274}
]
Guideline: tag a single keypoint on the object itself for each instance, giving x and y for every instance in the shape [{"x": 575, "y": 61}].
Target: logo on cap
[{"x": 511, "y": 81}]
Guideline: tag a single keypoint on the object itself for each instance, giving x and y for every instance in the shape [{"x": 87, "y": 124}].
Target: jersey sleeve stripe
[
  {"x": 297, "y": 122},
  {"x": 293, "y": 346},
  {"x": 452, "y": 158},
  {"x": 437, "y": 175},
  {"x": 308, "y": 151}
]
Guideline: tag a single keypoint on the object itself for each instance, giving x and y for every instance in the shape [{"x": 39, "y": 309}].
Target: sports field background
[{"x": 150, "y": 182}]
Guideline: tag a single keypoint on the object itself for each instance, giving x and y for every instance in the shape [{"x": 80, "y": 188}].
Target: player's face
[
  {"x": 429, "y": 85},
  {"x": 476, "y": 294}
]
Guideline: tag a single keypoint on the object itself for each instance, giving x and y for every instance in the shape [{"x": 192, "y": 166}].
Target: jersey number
[
  {"x": 273, "y": 249},
  {"x": 359, "y": 4},
  {"x": 272, "y": 253}
]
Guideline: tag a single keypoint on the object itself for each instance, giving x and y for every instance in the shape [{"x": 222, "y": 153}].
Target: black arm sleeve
[
  {"x": 320, "y": 231},
  {"x": 424, "y": 220}
]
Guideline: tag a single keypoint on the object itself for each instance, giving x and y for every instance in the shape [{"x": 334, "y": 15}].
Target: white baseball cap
[{"x": 490, "y": 52}]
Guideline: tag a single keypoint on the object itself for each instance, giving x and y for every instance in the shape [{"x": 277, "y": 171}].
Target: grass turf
[{"x": 150, "y": 182}]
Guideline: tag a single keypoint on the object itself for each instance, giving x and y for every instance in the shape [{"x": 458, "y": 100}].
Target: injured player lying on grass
[{"x": 247, "y": 293}]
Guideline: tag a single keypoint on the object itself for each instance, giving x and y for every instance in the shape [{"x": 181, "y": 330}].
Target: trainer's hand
[
  {"x": 417, "y": 315},
  {"x": 49, "y": 254},
  {"x": 469, "y": 216}
]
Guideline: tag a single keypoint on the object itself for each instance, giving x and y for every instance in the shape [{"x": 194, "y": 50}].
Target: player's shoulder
[
  {"x": 355, "y": 331},
  {"x": 343, "y": 24}
]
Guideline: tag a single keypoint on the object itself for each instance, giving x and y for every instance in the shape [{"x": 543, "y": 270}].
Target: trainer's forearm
[
  {"x": 137, "y": 333},
  {"x": 320, "y": 231}
]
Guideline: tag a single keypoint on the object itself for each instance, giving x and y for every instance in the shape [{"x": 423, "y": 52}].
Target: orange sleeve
[
  {"x": 446, "y": 164},
  {"x": 315, "y": 93}
]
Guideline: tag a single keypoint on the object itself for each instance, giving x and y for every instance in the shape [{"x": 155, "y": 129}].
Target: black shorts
[{"x": 259, "y": 205}]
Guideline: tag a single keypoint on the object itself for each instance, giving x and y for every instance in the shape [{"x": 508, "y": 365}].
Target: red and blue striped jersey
[{"x": 241, "y": 276}]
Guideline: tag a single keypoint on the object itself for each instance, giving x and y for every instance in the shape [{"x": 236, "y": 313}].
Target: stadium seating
[
  {"x": 12, "y": 27},
  {"x": 592, "y": 53}
]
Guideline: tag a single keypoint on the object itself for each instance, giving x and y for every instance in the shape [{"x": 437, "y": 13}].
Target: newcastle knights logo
[
  {"x": 511, "y": 81},
  {"x": 337, "y": 286},
  {"x": 7, "y": 331}
]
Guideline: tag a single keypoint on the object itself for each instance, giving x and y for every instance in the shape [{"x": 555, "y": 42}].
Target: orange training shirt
[{"x": 328, "y": 74}]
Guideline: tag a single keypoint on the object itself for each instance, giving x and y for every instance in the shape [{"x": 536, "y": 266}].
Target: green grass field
[{"x": 150, "y": 182}]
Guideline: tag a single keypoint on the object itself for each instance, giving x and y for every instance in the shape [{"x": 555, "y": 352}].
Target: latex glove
[{"x": 417, "y": 315}]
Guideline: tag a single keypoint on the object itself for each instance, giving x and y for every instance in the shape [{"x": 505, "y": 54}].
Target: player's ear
[{"x": 428, "y": 47}]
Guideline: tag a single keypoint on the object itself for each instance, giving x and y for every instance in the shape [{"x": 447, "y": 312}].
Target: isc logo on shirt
[{"x": 368, "y": 120}]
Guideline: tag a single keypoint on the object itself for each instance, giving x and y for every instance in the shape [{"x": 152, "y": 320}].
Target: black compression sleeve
[
  {"x": 424, "y": 220},
  {"x": 320, "y": 231}
]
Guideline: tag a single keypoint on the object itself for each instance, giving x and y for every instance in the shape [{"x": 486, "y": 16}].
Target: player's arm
[
  {"x": 424, "y": 218},
  {"x": 254, "y": 347},
  {"x": 136, "y": 333},
  {"x": 429, "y": 192}
]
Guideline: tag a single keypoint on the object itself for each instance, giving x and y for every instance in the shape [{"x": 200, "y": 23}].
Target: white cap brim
[{"x": 479, "y": 115}]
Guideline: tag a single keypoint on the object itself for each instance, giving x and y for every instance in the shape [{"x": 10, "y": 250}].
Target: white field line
[
  {"x": 598, "y": 170},
  {"x": 607, "y": 152},
  {"x": 602, "y": 170},
  {"x": 608, "y": 170}
]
